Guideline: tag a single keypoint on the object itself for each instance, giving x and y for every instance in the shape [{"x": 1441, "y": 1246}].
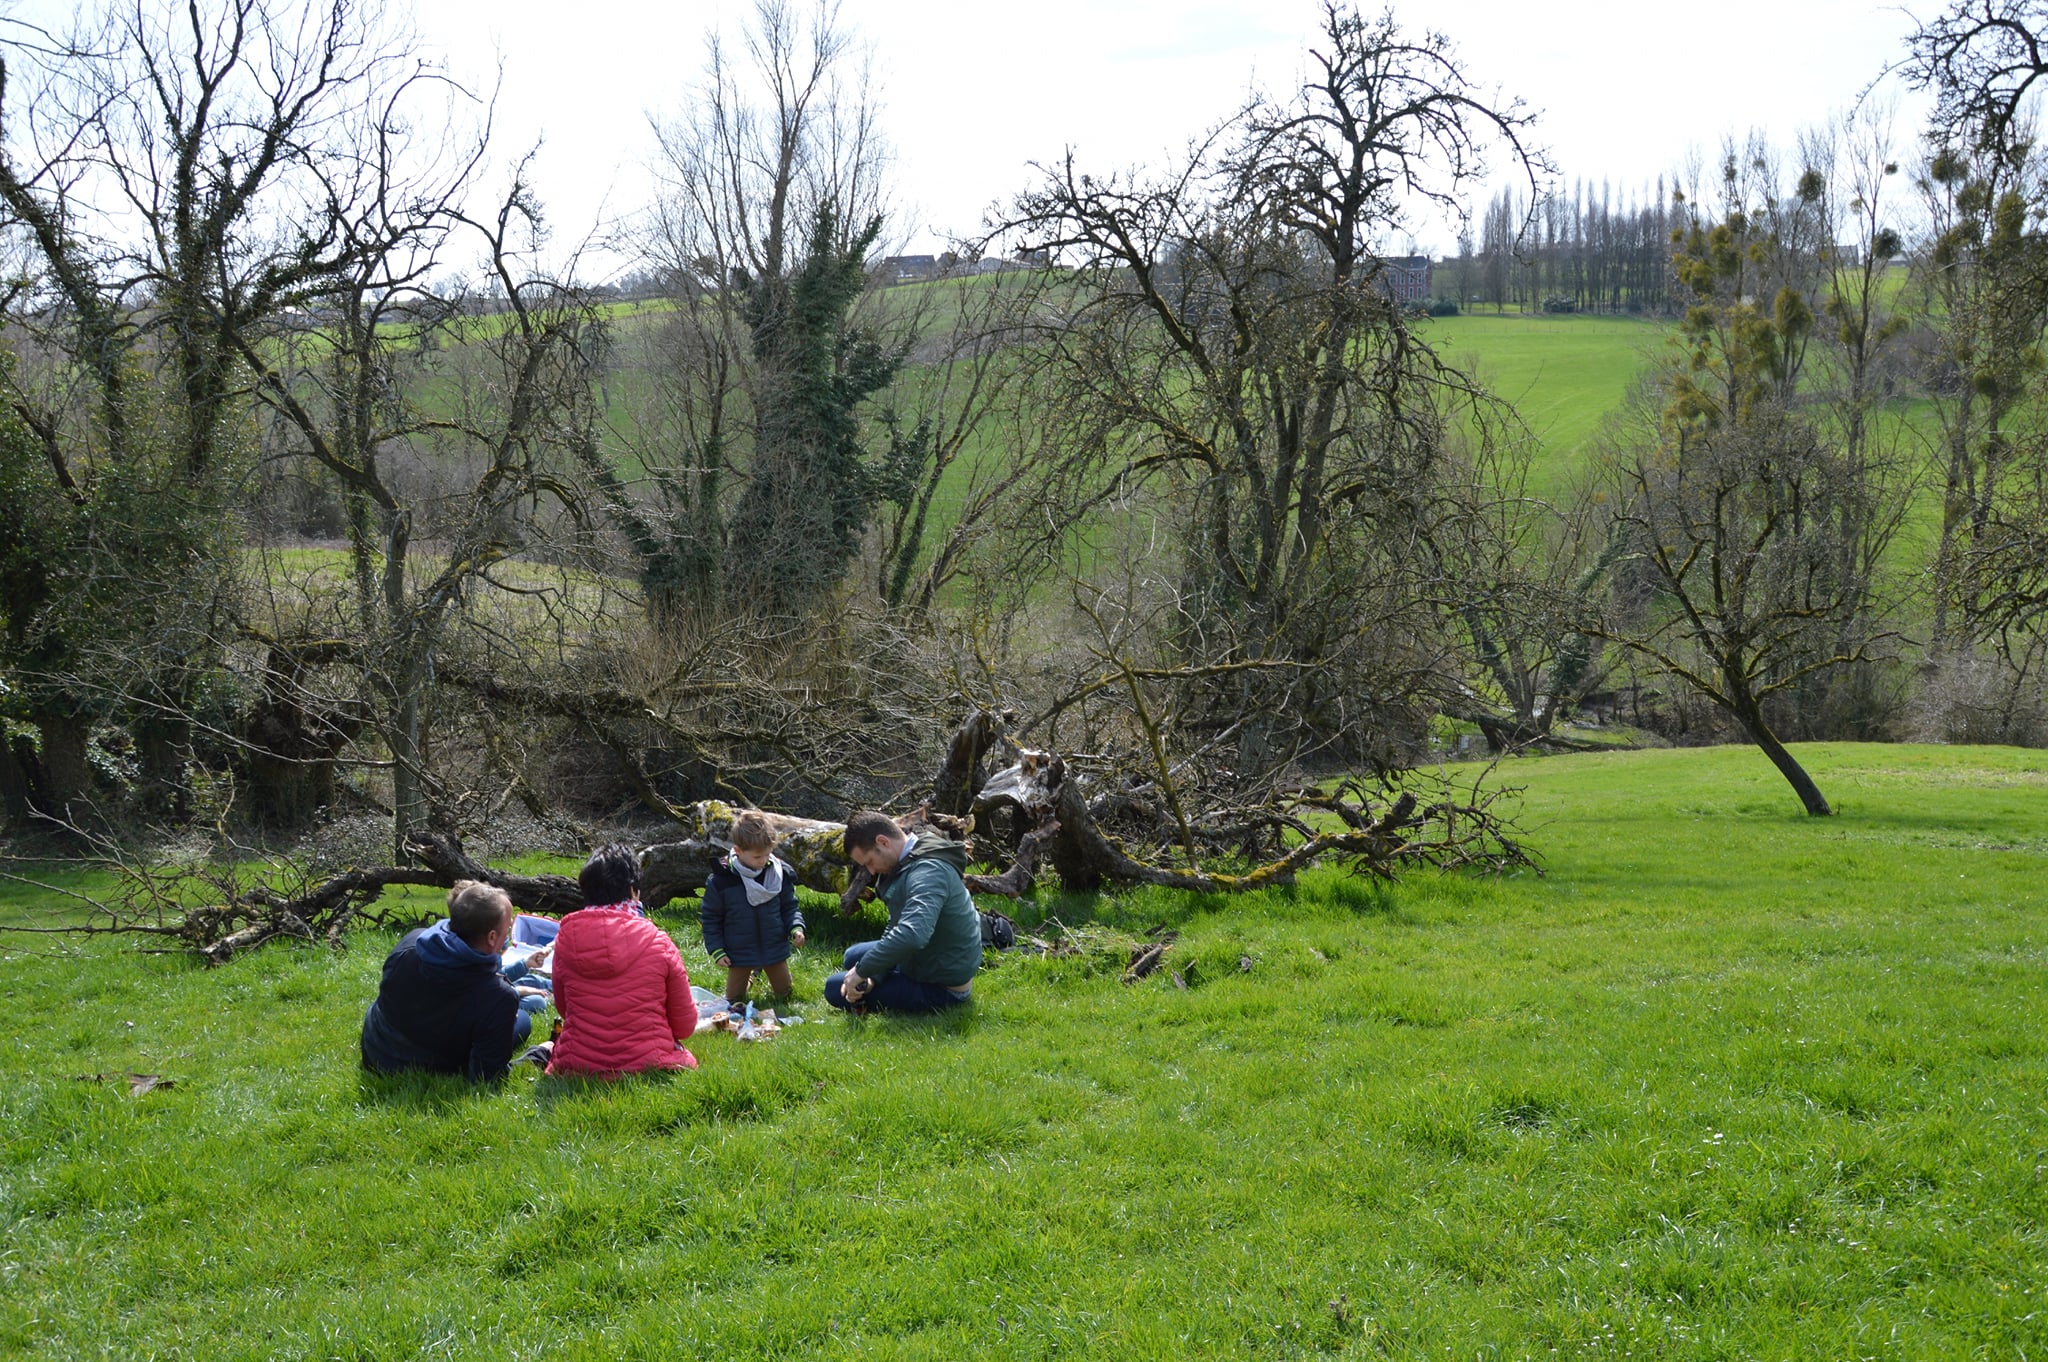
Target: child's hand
[
  {"x": 796, "y": 938},
  {"x": 722, "y": 960}
]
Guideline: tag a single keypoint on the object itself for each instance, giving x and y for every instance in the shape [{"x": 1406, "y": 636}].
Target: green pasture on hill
[
  {"x": 1726, "y": 1082},
  {"x": 1564, "y": 374},
  {"x": 1567, "y": 375}
]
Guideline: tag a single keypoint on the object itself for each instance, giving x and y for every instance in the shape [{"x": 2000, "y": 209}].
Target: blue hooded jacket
[
  {"x": 442, "y": 1007},
  {"x": 750, "y": 935}
]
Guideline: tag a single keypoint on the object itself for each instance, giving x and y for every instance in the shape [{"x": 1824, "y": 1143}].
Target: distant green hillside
[{"x": 1564, "y": 374}]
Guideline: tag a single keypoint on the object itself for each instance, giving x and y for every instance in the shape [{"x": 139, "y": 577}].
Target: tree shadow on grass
[
  {"x": 1132, "y": 910},
  {"x": 662, "y": 1102},
  {"x": 1353, "y": 893},
  {"x": 826, "y": 926},
  {"x": 419, "y": 1090},
  {"x": 551, "y": 1090},
  {"x": 957, "y": 1023}
]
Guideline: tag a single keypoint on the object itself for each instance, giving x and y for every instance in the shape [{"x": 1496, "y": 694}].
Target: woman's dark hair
[{"x": 611, "y": 875}]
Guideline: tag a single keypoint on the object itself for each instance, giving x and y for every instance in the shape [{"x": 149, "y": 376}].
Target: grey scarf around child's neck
[{"x": 761, "y": 886}]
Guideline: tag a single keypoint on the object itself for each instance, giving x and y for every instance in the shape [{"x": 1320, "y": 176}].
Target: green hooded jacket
[{"x": 934, "y": 933}]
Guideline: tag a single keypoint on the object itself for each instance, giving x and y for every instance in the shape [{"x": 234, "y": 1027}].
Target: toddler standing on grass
[{"x": 750, "y": 917}]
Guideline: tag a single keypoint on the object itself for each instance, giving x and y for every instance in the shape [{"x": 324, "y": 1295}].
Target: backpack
[{"x": 997, "y": 931}]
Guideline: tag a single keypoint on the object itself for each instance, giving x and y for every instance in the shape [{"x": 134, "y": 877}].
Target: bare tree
[
  {"x": 1859, "y": 369},
  {"x": 1745, "y": 591},
  {"x": 759, "y": 436},
  {"x": 1862, "y": 250},
  {"x": 1758, "y": 533},
  {"x": 1525, "y": 577},
  {"x": 168, "y": 180},
  {"x": 1985, "y": 270},
  {"x": 1236, "y": 338},
  {"x": 967, "y": 422},
  {"x": 1983, "y": 59},
  {"x": 392, "y": 381},
  {"x": 1986, "y": 274}
]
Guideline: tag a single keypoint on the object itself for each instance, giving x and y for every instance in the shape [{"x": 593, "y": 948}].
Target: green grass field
[
  {"x": 1563, "y": 374},
  {"x": 1727, "y": 1082}
]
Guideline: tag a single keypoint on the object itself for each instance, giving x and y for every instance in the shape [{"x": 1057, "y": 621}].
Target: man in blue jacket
[
  {"x": 442, "y": 1005},
  {"x": 926, "y": 959}
]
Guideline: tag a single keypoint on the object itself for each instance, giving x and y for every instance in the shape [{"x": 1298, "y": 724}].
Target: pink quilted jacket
[{"x": 623, "y": 995}]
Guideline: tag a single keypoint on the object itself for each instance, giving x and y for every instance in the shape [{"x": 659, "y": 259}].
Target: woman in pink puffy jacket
[{"x": 619, "y": 981}]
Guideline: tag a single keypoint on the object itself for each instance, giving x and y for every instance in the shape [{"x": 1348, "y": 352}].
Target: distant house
[
  {"x": 1407, "y": 278},
  {"x": 904, "y": 269}
]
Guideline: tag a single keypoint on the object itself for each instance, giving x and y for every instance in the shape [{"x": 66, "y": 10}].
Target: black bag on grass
[{"x": 997, "y": 931}]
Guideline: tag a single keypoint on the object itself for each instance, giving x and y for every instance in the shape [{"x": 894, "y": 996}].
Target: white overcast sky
[{"x": 973, "y": 92}]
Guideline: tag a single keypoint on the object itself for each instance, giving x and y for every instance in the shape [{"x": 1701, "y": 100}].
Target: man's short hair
[
  {"x": 476, "y": 909},
  {"x": 611, "y": 875},
  {"x": 866, "y": 827},
  {"x": 750, "y": 832}
]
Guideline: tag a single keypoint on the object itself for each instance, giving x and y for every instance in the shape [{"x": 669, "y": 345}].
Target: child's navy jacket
[{"x": 750, "y": 935}]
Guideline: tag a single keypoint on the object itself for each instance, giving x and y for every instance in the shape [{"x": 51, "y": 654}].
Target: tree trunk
[
  {"x": 286, "y": 793},
  {"x": 292, "y": 746},
  {"x": 66, "y": 774},
  {"x": 1788, "y": 765},
  {"x": 408, "y": 799},
  {"x": 1057, "y": 827},
  {"x": 961, "y": 778},
  {"x": 14, "y": 773},
  {"x": 161, "y": 744}
]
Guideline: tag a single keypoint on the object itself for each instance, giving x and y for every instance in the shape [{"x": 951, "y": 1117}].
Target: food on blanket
[{"x": 743, "y": 1020}]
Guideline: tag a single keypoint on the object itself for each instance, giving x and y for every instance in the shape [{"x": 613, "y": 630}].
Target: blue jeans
[
  {"x": 529, "y": 1008},
  {"x": 893, "y": 992}
]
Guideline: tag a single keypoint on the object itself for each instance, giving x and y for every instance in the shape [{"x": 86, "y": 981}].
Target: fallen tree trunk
[
  {"x": 1046, "y": 823},
  {"x": 814, "y": 850},
  {"x": 1056, "y": 828},
  {"x": 323, "y": 911},
  {"x": 959, "y": 778},
  {"x": 1050, "y": 826}
]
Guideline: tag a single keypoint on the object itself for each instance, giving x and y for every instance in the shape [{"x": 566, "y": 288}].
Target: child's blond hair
[{"x": 750, "y": 832}]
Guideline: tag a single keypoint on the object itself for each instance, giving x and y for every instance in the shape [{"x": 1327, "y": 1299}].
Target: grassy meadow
[
  {"x": 1725, "y": 1082},
  {"x": 1563, "y": 374}
]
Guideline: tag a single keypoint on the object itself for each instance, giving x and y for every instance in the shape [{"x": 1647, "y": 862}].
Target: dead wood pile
[
  {"x": 1035, "y": 816},
  {"x": 1032, "y": 818}
]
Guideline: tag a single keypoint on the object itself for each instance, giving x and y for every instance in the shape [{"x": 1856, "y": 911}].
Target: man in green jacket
[{"x": 926, "y": 960}]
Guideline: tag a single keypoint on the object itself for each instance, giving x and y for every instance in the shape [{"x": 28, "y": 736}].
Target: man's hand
[
  {"x": 539, "y": 959},
  {"x": 853, "y": 987}
]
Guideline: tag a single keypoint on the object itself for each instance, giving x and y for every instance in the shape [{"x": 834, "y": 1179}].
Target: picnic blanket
[{"x": 743, "y": 1020}]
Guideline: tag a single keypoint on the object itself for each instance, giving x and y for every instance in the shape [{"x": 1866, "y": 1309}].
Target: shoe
[{"x": 538, "y": 1056}]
